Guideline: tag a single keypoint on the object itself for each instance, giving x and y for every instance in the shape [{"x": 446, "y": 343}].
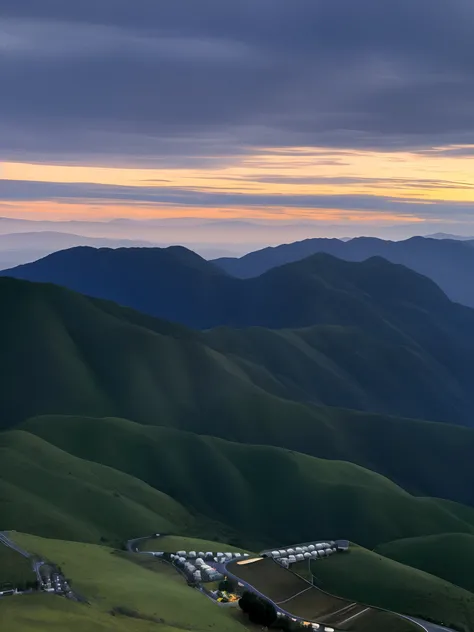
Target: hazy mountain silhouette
[{"x": 448, "y": 262}]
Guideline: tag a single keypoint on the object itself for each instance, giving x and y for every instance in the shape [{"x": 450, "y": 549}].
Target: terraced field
[{"x": 297, "y": 597}]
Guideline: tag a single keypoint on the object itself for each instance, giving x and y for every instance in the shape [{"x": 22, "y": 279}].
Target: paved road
[
  {"x": 4, "y": 539},
  {"x": 132, "y": 544},
  {"x": 429, "y": 627},
  {"x": 61, "y": 587}
]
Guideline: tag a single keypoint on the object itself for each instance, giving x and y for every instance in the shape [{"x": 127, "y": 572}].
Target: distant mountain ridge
[
  {"x": 448, "y": 262},
  {"x": 372, "y": 336},
  {"x": 19, "y": 248}
]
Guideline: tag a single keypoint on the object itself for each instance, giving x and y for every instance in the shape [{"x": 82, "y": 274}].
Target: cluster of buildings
[
  {"x": 198, "y": 566},
  {"x": 286, "y": 557}
]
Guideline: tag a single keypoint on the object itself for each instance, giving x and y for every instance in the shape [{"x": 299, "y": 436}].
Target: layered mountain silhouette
[
  {"x": 448, "y": 262},
  {"x": 371, "y": 336}
]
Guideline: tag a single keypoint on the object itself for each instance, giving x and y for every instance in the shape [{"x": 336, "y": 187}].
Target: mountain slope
[
  {"x": 173, "y": 283},
  {"x": 449, "y": 555},
  {"x": 47, "y": 491},
  {"x": 66, "y": 354},
  {"x": 448, "y": 262},
  {"x": 234, "y": 485},
  {"x": 387, "y": 331}
]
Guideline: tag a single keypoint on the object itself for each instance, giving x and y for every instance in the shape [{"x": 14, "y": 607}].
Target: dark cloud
[
  {"x": 151, "y": 79},
  {"x": 28, "y": 191}
]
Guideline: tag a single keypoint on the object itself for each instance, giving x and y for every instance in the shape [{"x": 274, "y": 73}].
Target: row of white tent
[
  {"x": 209, "y": 556},
  {"x": 303, "y": 550},
  {"x": 199, "y": 570},
  {"x": 292, "y": 559}
]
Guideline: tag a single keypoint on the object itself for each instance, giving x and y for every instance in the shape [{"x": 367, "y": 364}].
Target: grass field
[
  {"x": 109, "y": 581},
  {"x": 449, "y": 556},
  {"x": 173, "y": 543},
  {"x": 14, "y": 568},
  {"x": 367, "y": 577}
]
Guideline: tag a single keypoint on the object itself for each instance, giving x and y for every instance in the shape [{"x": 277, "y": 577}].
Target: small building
[
  {"x": 307, "y": 555},
  {"x": 291, "y": 551},
  {"x": 299, "y": 557},
  {"x": 311, "y": 548},
  {"x": 298, "y": 550},
  {"x": 342, "y": 545},
  {"x": 192, "y": 554},
  {"x": 276, "y": 554}
]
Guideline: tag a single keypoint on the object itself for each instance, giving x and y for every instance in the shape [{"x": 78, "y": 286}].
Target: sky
[{"x": 350, "y": 113}]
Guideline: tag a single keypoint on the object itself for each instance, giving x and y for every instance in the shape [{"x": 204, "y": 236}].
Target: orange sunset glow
[{"x": 422, "y": 178}]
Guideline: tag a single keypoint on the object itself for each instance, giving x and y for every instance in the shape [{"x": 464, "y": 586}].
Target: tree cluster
[{"x": 259, "y": 610}]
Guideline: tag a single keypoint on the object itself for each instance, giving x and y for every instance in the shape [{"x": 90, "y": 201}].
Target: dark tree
[{"x": 259, "y": 611}]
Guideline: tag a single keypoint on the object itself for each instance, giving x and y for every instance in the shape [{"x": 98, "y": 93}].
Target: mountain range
[
  {"x": 448, "y": 262},
  {"x": 147, "y": 389},
  {"x": 75, "y": 369},
  {"x": 371, "y": 336}
]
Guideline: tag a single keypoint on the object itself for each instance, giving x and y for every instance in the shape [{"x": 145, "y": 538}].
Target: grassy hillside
[
  {"x": 47, "y": 491},
  {"x": 97, "y": 359},
  {"x": 235, "y": 484},
  {"x": 109, "y": 581},
  {"x": 370, "y": 578},
  {"x": 449, "y": 556}
]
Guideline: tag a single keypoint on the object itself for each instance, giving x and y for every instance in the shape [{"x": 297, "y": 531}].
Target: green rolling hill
[
  {"x": 116, "y": 424},
  {"x": 65, "y": 354},
  {"x": 47, "y": 491},
  {"x": 447, "y": 555},
  {"x": 231, "y": 484}
]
